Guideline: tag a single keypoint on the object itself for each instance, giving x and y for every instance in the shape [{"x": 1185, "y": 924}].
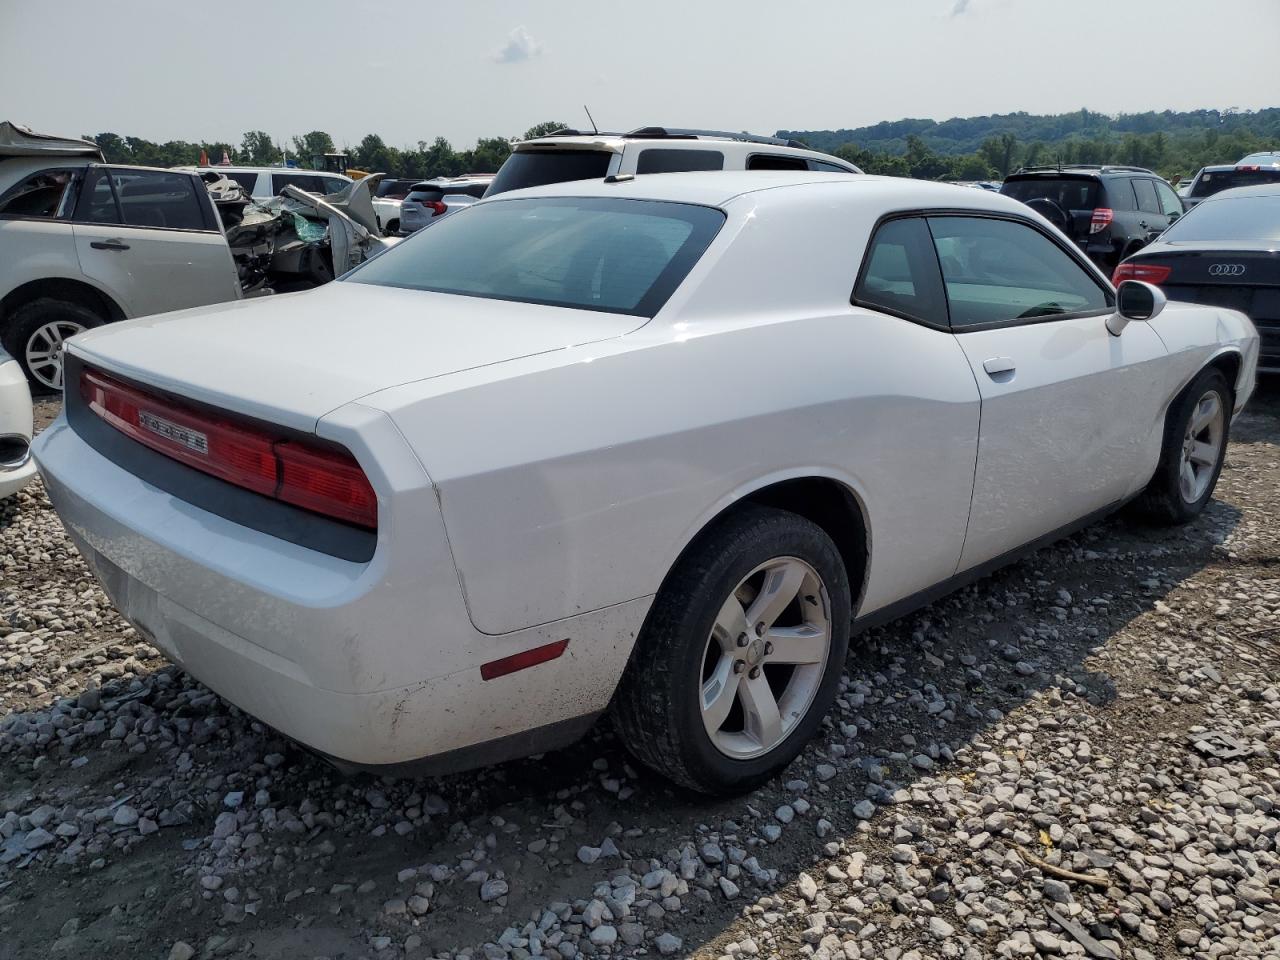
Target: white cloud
[{"x": 518, "y": 48}]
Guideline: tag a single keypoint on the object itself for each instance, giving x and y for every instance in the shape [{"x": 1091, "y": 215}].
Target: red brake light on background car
[
  {"x": 314, "y": 477},
  {"x": 436, "y": 207},
  {"x": 1146, "y": 272},
  {"x": 1101, "y": 219},
  {"x": 1251, "y": 168}
]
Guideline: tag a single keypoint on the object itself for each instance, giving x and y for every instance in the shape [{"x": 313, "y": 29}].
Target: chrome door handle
[
  {"x": 109, "y": 245},
  {"x": 998, "y": 365}
]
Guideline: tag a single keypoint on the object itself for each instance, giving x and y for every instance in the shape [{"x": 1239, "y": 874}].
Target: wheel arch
[
  {"x": 829, "y": 501},
  {"x": 61, "y": 288}
]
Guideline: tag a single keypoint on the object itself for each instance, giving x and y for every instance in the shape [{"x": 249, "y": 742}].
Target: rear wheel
[
  {"x": 36, "y": 333},
  {"x": 740, "y": 656},
  {"x": 1195, "y": 445}
]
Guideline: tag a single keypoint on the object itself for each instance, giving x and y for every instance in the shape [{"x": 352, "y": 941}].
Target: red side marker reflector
[{"x": 520, "y": 661}]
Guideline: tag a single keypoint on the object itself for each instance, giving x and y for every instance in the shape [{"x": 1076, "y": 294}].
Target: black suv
[{"x": 1110, "y": 211}]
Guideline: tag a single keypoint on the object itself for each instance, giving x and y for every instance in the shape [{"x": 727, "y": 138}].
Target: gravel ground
[{"x": 1076, "y": 756}]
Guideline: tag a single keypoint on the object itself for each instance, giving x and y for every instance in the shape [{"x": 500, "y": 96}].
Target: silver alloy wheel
[
  {"x": 1201, "y": 447},
  {"x": 765, "y": 657},
  {"x": 44, "y": 351}
]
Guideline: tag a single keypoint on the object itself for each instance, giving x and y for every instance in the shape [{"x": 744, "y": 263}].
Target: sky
[{"x": 411, "y": 71}]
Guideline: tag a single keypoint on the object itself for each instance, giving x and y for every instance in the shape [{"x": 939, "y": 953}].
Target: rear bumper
[{"x": 374, "y": 664}]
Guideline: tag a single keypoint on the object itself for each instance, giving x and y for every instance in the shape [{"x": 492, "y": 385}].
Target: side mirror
[
  {"x": 1174, "y": 215},
  {"x": 1135, "y": 300}
]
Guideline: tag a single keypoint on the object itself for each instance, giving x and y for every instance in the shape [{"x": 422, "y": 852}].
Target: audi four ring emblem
[{"x": 1226, "y": 269}]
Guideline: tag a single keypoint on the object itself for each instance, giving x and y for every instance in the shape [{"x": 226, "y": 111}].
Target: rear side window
[
  {"x": 303, "y": 181},
  {"x": 246, "y": 179},
  {"x": 589, "y": 253},
  {"x": 658, "y": 160},
  {"x": 826, "y": 167},
  {"x": 900, "y": 273},
  {"x": 156, "y": 199},
  {"x": 1146, "y": 193},
  {"x": 45, "y": 195},
  {"x": 996, "y": 271},
  {"x": 533, "y": 168},
  {"x": 1070, "y": 193},
  {"x": 771, "y": 161},
  {"x": 1215, "y": 182}
]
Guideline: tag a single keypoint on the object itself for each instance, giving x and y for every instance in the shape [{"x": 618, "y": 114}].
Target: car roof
[
  {"x": 715, "y": 188},
  {"x": 693, "y": 140},
  {"x": 215, "y": 167}
]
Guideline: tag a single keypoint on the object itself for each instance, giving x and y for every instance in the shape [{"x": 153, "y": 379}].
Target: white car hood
[{"x": 292, "y": 358}]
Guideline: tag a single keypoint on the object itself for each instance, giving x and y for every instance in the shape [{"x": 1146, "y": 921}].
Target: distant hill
[{"x": 962, "y": 135}]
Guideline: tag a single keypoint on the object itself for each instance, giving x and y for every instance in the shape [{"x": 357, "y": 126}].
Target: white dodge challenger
[{"x": 653, "y": 446}]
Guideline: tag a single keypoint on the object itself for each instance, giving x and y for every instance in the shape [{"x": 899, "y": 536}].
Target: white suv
[
  {"x": 572, "y": 155},
  {"x": 84, "y": 243},
  {"x": 263, "y": 183}
]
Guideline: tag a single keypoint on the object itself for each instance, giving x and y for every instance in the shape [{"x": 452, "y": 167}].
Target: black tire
[
  {"x": 24, "y": 322},
  {"x": 656, "y": 711},
  {"x": 1163, "y": 501},
  {"x": 392, "y": 228}
]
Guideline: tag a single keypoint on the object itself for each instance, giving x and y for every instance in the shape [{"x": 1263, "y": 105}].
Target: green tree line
[
  {"x": 972, "y": 148},
  {"x": 436, "y": 158},
  {"x": 983, "y": 148}
]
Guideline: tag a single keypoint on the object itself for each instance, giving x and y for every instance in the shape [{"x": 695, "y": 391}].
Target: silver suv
[{"x": 573, "y": 155}]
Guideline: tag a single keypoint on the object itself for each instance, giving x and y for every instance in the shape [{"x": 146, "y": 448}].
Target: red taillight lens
[
  {"x": 1146, "y": 272},
  {"x": 1251, "y": 168},
  {"x": 1101, "y": 219},
  {"x": 315, "y": 478},
  {"x": 436, "y": 207}
]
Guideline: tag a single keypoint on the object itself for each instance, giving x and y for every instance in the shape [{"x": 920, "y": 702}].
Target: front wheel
[
  {"x": 740, "y": 656},
  {"x": 1195, "y": 446}
]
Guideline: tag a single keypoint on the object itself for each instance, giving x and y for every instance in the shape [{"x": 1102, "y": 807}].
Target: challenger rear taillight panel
[{"x": 313, "y": 476}]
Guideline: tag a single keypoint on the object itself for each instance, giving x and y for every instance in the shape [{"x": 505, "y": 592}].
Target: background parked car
[
  {"x": 1109, "y": 211},
  {"x": 16, "y": 428},
  {"x": 386, "y": 203},
  {"x": 1215, "y": 179},
  {"x": 572, "y": 155},
  {"x": 1268, "y": 157},
  {"x": 1225, "y": 252},
  {"x": 263, "y": 183},
  {"x": 430, "y": 200}
]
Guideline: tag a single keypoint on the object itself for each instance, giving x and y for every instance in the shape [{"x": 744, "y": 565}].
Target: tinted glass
[
  {"x": 303, "y": 181},
  {"x": 767, "y": 161},
  {"x": 1215, "y": 182},
  {"x": 393, "y": 189},
  {"x": 901, "y": 273},
  {"x": 246, "y": 179},
  {"x": 1000, "y": 270},
  {"x": 1245, "y": 218},
  {"x": 1145, "y": 191},
  {"x": 1070, "y": 193},
  {"x": 657, "y": 160},
  {"x": 97, "y": 202},
  {"x": 1170, "y": 205},
  {"x": 826, "y": 167},
  {"x": 1118, "y": 195},
  {"x": 157, "y": 199},
  {"x": 605, "y": 254},
  {"x": 533, "y": 168},
  {"x": 46, "y": 194}
]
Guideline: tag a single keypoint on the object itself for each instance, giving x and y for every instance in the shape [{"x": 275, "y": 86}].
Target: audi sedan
[
  {"x": 648, "y": 446},
  {"x": 1226, "y": 253}
]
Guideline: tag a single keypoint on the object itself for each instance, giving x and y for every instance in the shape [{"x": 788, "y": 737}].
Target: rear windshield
[
  {"x": 1070, "y": 193},
  {"x": 1231, "y": 218},
  {"x": 1211, "y": 183},
  {"x": 394, "y": 189},
  {"x": 533, "y": 168},
  {"x": 589, "y": 253}
]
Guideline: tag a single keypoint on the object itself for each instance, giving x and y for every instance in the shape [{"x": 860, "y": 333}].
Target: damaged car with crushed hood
[{"x": 84, "y": 242}]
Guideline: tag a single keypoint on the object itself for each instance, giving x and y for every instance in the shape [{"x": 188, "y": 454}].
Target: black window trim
[
  {"x": 802, "y": 160},
  {"x": 925, "y": 213},
  {"x": 78, "y": 170}
]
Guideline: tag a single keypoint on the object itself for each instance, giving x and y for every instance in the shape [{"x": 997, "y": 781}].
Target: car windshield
[
  {"x": 588, "y": 253},
  {"x": 533, "y": 168},
  {"x": 1231, "y": 218},
  {"x": 1070, "y": 193},
  {"x": 1216, "y": 181}
]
